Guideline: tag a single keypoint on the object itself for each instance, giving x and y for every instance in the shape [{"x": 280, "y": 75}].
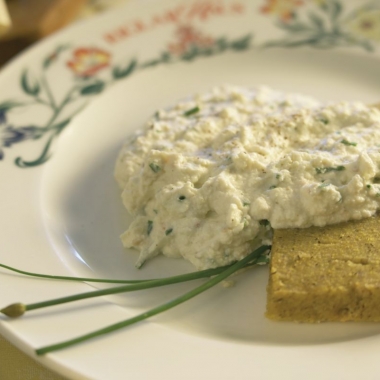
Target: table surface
[{"x": 14, "y": 364}]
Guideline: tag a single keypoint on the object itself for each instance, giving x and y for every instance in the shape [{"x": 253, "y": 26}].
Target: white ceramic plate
[{"x": 67, "y": 104}]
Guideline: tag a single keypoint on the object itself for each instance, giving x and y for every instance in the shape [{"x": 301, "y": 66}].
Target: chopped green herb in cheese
[{"x": 252, "y": 160}]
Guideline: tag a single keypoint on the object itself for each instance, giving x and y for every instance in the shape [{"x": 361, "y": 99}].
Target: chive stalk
[
  {"x": 168, "y": 231},
  {"x": 348, "y": 143},
  {"x": 14, "y": 310},
  {"x": 329, "y": 169},
  {"x": 253, "y": 257},
  {"x": 18, "y": 309},
  {"x": 184, "y": 277},
  {"x": 69, "y": 278},
  {"x": 150, "y": 227},
  {"x": 156, "y": 168},
  {"x": 192, "y": 111}
]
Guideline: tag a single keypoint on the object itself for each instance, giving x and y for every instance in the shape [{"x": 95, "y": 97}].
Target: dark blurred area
[{"x": 32, "y": 20}]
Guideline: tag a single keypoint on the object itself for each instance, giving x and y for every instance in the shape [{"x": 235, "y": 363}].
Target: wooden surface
[
  {"x": 5, "y": 20},
  {"x": 15, "y": 365},
  {"x": 33, "y": 20}
]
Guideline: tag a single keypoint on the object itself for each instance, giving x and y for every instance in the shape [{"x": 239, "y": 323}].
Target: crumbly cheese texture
[{"x": 207, "y": 178}]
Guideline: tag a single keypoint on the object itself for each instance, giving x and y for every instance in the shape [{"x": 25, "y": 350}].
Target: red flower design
[
  {"x": 88, "y": 61},
  {"x": 188, "y": 36},
  {"x": 284, "y": 9}
]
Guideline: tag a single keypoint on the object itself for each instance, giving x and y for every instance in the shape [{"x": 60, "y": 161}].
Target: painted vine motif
[
  {"x": 323, "y": 24},
  {"x": 314, "y": 23},
  {"x": 86, "y": 64}
]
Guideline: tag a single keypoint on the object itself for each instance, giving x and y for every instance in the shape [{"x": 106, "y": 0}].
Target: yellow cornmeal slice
[{"x": 326, "y": 274}]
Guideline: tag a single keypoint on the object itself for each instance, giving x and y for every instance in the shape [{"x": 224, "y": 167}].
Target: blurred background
[{"x": 23, "y": 22}]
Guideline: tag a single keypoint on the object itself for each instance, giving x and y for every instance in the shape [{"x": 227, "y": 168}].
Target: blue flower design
[
  {"x": 3, "y": 116},
  {"x": 10, "y": 135}
]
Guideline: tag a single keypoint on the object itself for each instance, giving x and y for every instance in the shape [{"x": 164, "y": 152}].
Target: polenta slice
[{"x": 326, "y": 274}]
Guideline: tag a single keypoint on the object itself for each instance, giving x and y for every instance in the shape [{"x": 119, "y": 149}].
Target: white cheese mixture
[{"x": 207, "y": 178}]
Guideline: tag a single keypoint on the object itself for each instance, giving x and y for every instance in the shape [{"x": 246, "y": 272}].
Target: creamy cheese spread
[{"x": 207, "y": 179}]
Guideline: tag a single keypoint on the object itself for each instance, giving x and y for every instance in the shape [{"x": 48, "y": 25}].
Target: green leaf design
[
  {"x": 45, "y": 154},
  {"x": 192, "y": 53},
  {"x": 165, "y": 57},
  {"x": 54, "y": 56},
  {"x": 48, "y": 61},
  {"x": 316, "y": 21},
  {"x": 292, "y": 43},
  {"x": 30, "y": 89},
  {"x": 151, "y": 63},
  {"x": 242, "y": 43},
  {"x": 60, "y": 126},
  {"x": 294, "y": 27},
  {"x": 119, "y": 73},
  {"x": 92, "y": 89},
  {"x": 221, "y": 44},
  {"x": 323, "y": 28},
  {"x": 335, "y": 8},
  {"x": 40, "y": 160},
  {"x": 9, "y": 104}
]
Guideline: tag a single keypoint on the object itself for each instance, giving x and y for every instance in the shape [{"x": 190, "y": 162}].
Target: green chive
[
  {"x": 181, "y": 197},
  {"x": 264, "y": 222},
  {"x": 182, "y": 277},
  {"x": 168, "y": 231},
  {"x": 68, "y": 278},
  {"x": 324, "y": 120},
  {"x": 18, "y": 309},
  {"x": 348, "y": 143},
  {"x": 330, "y": 169},
  {"x": 191, "y": 111},
  {"x": 253, "y": 257},
  {"x": 150, "y": 227},
  {"x": 154, "y": 167}
]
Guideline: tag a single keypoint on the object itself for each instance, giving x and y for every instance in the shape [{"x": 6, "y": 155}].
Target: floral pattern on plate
[
  {"x": 86, "y": 64},
  {"x": 324, "y": 24},
  {"x": 313, "y": 23}
]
